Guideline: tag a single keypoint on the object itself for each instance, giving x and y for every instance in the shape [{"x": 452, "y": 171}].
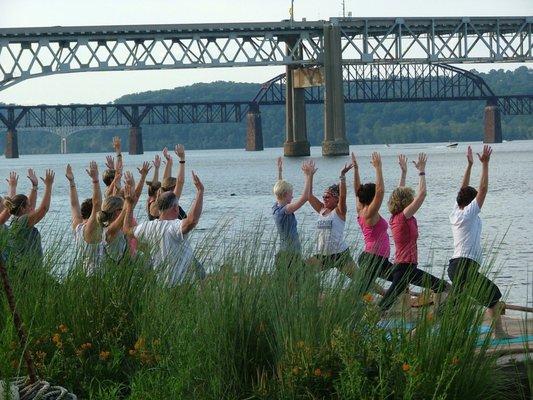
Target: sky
[{"x": 102, "y": 87}]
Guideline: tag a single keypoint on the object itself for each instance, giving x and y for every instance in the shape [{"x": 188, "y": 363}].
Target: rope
[{"x": 41, "y": 390}]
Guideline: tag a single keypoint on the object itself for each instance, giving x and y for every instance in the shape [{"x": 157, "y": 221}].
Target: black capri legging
[
  {"x": 464, "y": 273},
  {"x": 402, "y": 275},
  {"x": 371, "y": 267}
]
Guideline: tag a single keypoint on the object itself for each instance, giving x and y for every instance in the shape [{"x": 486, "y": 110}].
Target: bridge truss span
[
  {"x": 32, "y": 52},
  {"x": 442, "y": 40}
]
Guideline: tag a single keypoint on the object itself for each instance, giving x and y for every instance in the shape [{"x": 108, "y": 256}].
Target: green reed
[{"x": 247, "y": 331}]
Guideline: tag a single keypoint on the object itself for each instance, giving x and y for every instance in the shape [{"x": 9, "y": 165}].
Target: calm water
[{"x": 239, "y": 183}]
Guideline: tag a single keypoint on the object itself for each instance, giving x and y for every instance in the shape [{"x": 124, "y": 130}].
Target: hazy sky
[{"x": 93, "y": 87}]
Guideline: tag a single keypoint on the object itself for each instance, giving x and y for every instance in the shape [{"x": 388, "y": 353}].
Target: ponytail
[{"x": 16, "y": 203}]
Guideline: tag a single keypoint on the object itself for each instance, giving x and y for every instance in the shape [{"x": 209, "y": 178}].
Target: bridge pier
[
  {"x": 296, "y": 143},
  {"x": 254, "y": 130},
  {"x": 335, "y": 143},
  {"x": 493, "y": 123},
  {"x": 11, "y": 149},
  {"x": 136, "y": 140}
]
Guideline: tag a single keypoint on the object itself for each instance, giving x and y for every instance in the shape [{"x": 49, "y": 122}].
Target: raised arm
[
  {"x": 117, "y": 225},
  {"x": 32, "y": 197},
  {"x": 193, "y": 216},
  {"x": 402, "y": 160},
  {"x": 75, "y": 209},
  {"x": 117, "y": 146},
  {"x": 280, "y": 168},
  {"x": 110, "y": 162},
  {"x": 415, "y": 205},
  {"x": 341, "y": 205},
  {"x": 4, "y": 212},
  {"x": 356, "y": 178},
  {"x": 157, "y": 164},
  {"x": 12, "y": 182},
  {"x": 168, "y": 166},
  {"x": 35, "y": 216},
  {"x": 373, "y": 209},
  {"x": 144, "y": 172},
  {"x": 484, "y": 157},
  {"x": 129, "y": 205},
  {"x": 309, "y": 170},
  {"x": 180, "y": 179},
  {"x": 91, "y": 232},
  {"x": 313, "y": 200},
  {"x": 470, "y": 162}
]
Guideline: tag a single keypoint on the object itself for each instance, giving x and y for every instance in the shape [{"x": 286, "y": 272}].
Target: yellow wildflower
[
  {"x": 406, "y": 367},
  {"x": 104, "y": 355},
  {"x": 56, "y": 338},
  {"x": 317, "y": 372},
  {"x": 63, "y": 328}
]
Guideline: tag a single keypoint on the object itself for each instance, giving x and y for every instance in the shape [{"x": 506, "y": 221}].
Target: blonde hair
[
  {"x": 16, "y": 203},
  {"x": 110, "y": 205},
  {"x": 281, "y": 188},
  {"x": 400, "y": 198}
]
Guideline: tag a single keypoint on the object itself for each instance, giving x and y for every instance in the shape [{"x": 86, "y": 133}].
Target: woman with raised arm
[
  {"x": 374, "y": 260},
  {"x": 464, "y": 266},
  {"x": 290, "y": 251},
  {"x": 403, "y": 205},
  {"x": 24, "y": 238},
  {"x": 153, "y": 187},
  {"x": 87, "y": 234},
  {"x": 333, "y": 252}
]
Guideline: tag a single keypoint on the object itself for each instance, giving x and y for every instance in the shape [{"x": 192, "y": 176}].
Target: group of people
[
  {"x": 403, "y": 204},
  {"x": 104, "y": 227}
]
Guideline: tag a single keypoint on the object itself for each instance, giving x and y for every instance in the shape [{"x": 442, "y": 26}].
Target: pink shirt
[
  {"x": 405, "y": 233},
  {"x": 376, "y": 237}
]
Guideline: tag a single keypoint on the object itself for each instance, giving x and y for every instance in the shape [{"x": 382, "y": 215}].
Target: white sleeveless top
[
  {"x": 90, "y": 253},
  {"x": 330, "y": 228}
]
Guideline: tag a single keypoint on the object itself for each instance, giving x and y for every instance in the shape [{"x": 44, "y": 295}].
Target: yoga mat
[{"x": 499, "y": 342}]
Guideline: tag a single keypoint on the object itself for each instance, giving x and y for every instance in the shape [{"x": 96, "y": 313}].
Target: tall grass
[{"x": 247, "y": 331}]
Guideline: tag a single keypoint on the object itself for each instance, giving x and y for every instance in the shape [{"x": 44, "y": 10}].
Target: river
[{"x": 239, "y": 187}]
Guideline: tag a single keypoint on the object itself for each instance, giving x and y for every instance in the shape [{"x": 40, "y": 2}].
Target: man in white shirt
[
  {"x": 467, "y": 256},
  {"x": 170, "y": 247}
]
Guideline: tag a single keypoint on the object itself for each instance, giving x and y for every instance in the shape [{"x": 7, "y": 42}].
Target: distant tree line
[{"x": 365, "y": 123}]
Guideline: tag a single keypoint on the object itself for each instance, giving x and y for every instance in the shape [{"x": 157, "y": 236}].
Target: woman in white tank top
[{"x": 332, "y": 250}]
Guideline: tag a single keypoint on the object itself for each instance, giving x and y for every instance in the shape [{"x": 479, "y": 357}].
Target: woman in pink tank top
[
  {"x": 403, "y": 204},
  {"x": 374, "y": 260}
]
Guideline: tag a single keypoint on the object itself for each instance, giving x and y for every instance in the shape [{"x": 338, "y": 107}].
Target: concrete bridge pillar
[
  {"x": 11, "y": 149},
  {"x": 254, "y": 131},
  {"x": 136, "y": 140},
  {"x": 335, "y": 143},
  {"x": 493, "y": 123},
  {"x": 296, "y": 143}
]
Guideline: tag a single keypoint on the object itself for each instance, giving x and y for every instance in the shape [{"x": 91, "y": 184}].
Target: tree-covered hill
[{"x": 365, "y": 123}]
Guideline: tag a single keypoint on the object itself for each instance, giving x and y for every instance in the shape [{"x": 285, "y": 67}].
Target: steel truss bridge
[
  {"x": 362, "y": 84},
  {"x": 361, "y": 60},
  {"x": 32, "y": 52}
]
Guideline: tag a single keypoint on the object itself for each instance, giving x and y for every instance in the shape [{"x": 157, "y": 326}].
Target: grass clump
[{"x": 247, "y": 331}]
